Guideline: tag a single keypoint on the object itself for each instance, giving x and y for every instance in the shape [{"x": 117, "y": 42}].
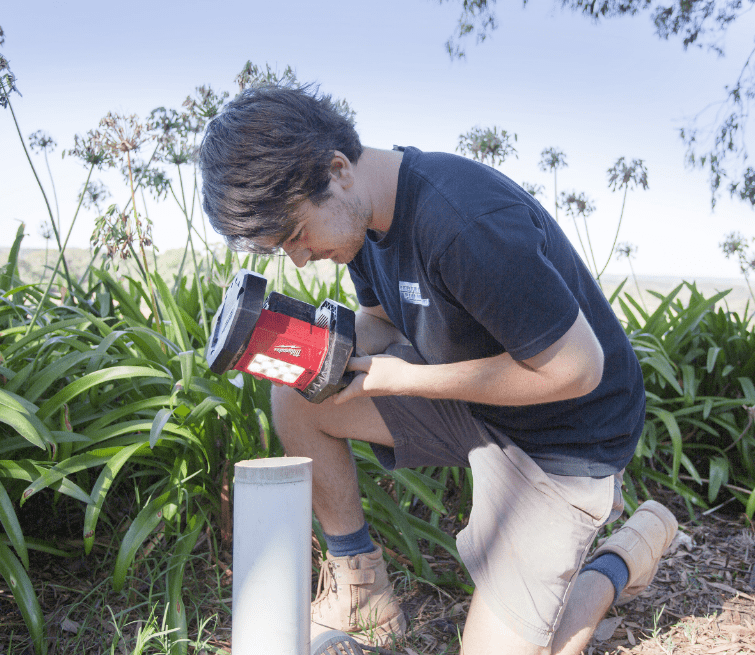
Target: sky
[{"x": 552, "y": 77}]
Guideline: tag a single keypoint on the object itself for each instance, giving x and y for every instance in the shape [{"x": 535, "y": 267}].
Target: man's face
[{"x": 335, "y": 230}]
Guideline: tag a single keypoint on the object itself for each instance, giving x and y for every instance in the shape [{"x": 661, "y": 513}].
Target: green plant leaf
[
  {"x": 617, "y": 291},
  {"x": 713, "y": 353},
  {"x": 65, "y": 469},
  {"x": 16, "y": 578},
  {"x": 100, "y": 489},
  {"x": 12, "y": 527},
  {"x": 176, "y": 612},
  {"x": 707, "y": 407},
  {"x": 39, "y": 335},
  {"x": 29, "y": 471},
  {"x": 379, "y": 497},
  {"x": 23, "y": 425},
  {"x": 418, "y": 484},
  {"x": 177, "y": 324},
  {"x": 748, "y": 388},
  {"x": 664, "y": 368},
  {"x": 128, "y": 305},
  {"x": 750, "y": 507},
  {"x": 145, "y": 522},
  {"x": 73, "y": 389},
  {"x": 161, "y": 418},
  {"x": 9, "y": 270},
  {"x": 674, "y": 432},
  {"x": 264, "y": 427},
  {"x": 718, "y": 476}
]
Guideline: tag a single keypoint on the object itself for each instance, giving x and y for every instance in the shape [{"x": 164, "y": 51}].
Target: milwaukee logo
[{"x": 295, "y": 351}]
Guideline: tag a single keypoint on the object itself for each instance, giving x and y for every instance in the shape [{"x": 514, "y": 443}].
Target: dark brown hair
[{"x": 268, "y": 150}]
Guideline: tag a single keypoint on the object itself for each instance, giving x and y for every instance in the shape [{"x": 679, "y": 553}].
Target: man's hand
[{"x": 377, "y": 375}]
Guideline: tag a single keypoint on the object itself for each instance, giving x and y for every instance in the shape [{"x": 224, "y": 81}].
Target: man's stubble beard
[{"x": 360, "y": 218}]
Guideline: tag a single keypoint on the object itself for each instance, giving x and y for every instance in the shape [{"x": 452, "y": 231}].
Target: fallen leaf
[
  {"x": 606, "y": 628},
  {"x": 69, "y": 626},
  {"x": 680, "y": 539}
]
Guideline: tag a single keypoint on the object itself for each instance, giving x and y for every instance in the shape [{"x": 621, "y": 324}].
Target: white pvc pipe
[{"x": 272, "y": 549}]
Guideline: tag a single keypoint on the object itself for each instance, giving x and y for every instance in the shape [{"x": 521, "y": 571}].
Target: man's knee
[{"x": 289, "y": 409}]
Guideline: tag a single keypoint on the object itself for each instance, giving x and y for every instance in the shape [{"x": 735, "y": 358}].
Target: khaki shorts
[{"x": 529, "y": 531}]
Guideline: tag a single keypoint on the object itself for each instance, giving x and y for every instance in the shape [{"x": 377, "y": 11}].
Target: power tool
[{"x": 282, "y": 339}]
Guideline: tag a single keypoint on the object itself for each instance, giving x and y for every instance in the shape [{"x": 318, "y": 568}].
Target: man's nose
[{"x": 299, "y": 256}]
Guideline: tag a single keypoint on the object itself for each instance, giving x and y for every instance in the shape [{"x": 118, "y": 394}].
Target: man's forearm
[
  {"x": 375, "y": 334},
  {"x": 496, "y": 380},
  {"x": 570, "y": 368}
]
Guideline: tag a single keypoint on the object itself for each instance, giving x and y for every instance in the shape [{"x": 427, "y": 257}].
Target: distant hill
[{"x": 35, "y": 263}]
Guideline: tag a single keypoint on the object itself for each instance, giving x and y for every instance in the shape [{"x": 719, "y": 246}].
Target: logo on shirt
[{"x": 410, "y": 293}]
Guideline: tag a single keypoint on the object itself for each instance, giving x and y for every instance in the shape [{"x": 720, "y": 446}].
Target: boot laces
[{"x": 326, "y": 583}]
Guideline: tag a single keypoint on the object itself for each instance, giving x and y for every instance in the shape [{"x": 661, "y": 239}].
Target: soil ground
[{"x": 702, "y": 601}]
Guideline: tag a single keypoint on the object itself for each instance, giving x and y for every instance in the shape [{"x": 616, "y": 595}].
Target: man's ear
[{"x": 341, "y": 170}]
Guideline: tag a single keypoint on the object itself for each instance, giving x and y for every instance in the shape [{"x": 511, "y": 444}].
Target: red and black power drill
[{"x": 282, "y": 339}]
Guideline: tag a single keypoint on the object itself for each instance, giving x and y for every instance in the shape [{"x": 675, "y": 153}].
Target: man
[{"x": 483, "y": 341}]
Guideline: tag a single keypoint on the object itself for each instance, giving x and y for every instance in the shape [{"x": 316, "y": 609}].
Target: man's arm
[
  {"x": 375, "y": 331},
  {"x": 569, "y": 368}
]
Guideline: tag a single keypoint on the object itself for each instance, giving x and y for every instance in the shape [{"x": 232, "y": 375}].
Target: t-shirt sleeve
[
  {"x": 498, "y": 269},
  {"x": 365, "y": 295}
]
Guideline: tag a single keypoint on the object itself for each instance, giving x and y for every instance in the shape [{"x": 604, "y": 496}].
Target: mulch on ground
[{"x": 702, "y": 601}]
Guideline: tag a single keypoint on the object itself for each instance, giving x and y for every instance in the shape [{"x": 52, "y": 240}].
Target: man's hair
[{"x": 267, "y": 151}]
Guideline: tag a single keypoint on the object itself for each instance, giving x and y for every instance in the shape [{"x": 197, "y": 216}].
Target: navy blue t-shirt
[{"x": 472, "y": 267}]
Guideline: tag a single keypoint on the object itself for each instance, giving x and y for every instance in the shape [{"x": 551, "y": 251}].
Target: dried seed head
[
  {"x": 575, "y": 204},
  {"x": 7, "y": 82},
  {"x": 552, "y": 159},
  {"x": 91, "y": 150},
  {"x": 123, "y": 133},
  {"x": 94, "y": 193},
  {"x": 620, "y": 175},
  {"x": 40, "y": 140},
  {"x": 626, "y": 250}
]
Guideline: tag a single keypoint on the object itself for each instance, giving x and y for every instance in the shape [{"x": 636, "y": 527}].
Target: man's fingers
[{"x": 353, "y": 390}]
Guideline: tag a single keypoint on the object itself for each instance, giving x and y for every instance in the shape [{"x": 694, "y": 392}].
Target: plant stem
[
  {"x": 616, "y": 236},
  {"x": 749, "y": 286},
  {"x": 60, "y": 258},
  {"x": 581, "y": 243},
  {"x": 637, "y": 285},
  {"x": 194, "y": 257},
  {"x": 148, "y": 277},
  {"x": 39, "y": 183},
  {"x": 555, "y": 191},
  {"x": 592, "y": 252},
  {"x": 91, "y": 261},
  {"x": 204, "y": 222},
  {"x": 139, "y": 181},
  {"x": 146, "y": 215},
  {"x": 52, "y": 183}
]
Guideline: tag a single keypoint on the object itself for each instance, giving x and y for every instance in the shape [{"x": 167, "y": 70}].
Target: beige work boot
[
  {"x": 355, "y": 596},
  {"x": 641, "y": 542}
]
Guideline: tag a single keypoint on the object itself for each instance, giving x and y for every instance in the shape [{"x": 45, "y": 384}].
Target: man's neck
[{"x": 377, "y": 171}]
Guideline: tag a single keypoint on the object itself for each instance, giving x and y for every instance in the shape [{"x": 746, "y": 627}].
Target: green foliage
[
  {"x": 699, "y": 364},
  {"x": 100, "y": 391}
]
